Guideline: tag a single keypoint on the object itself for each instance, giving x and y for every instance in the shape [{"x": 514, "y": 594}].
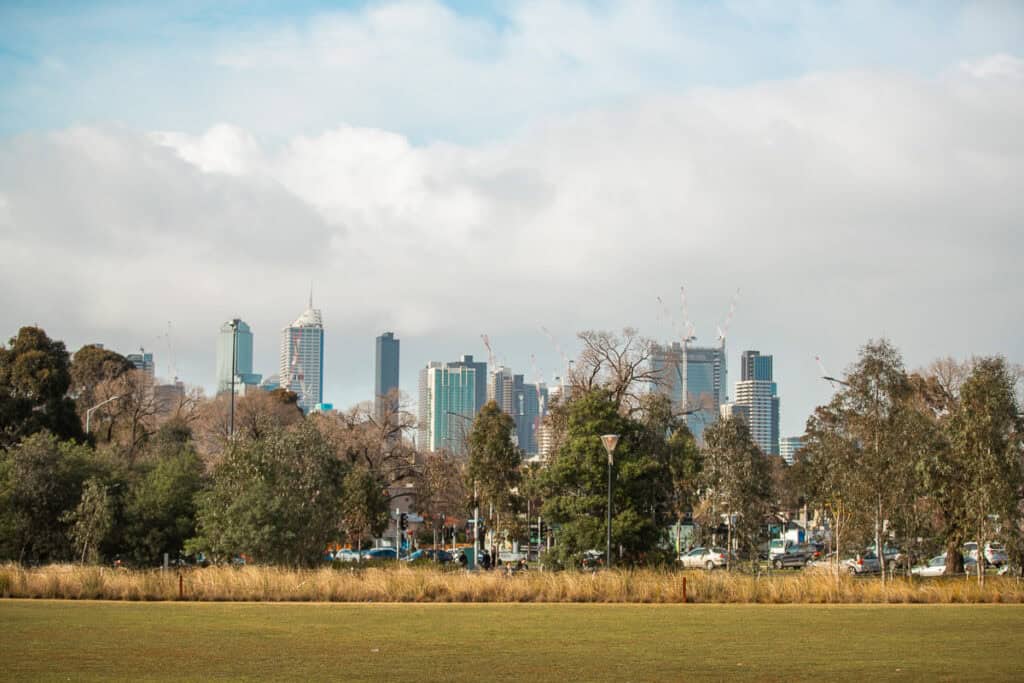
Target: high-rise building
[
  {"x": 526, "y": 403},
  {"x": 755, "y": 366},
  {"x": 385, "y": 376},
  {"x": 694, "y": 381},
  {"x": 788, "y": 446},
  {"x": 545, "y": 430},
  {"x": 448, "y": 400},
  {"x": 302, "y": 358},
  {"x": 142, "y": 361},
  {"x": 480, "y": 389},
  {"x": 759, "y": 394},
  {"x": 529, "y": 405},
  {"x": 240, "y": 341}
]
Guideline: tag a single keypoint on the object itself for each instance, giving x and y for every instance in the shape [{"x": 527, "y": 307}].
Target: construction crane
[
  {"x": 723, "y": 330},
  {"x": 689, "y": 335},
  {"x": 825, "y": 376},
  {"x": 566, "y": 363},
  {"x": 491, "y": 363},
  {"x": 172, "y": 366}
]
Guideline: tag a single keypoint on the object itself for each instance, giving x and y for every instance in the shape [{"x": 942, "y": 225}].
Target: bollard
[
  {"x": 181, "y": 587},
  {"x": 684, "y": 589}
]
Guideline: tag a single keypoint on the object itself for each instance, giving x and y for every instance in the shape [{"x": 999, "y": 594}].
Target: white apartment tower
[{"x": 302, "y": 358}]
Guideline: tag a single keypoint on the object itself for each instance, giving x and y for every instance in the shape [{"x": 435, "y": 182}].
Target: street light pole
[
  {"x": 610, "y": 441},
  {"x": 234, "y": 371},
  {"x": 88, "y": 413}
]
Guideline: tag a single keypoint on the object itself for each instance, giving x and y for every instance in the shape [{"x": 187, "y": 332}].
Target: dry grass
[{"x": 405, "y": 584}]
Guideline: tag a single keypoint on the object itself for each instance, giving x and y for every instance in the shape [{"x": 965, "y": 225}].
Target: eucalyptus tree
[
  {"x": 864, "y": 446},
  {"x": 987, "y": 434},
  {"x": 736, "y": 480}
]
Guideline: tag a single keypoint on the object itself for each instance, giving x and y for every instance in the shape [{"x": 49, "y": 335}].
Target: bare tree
[
  {"x": 619, "y": 364},
  {"x": 128, "y": 417},
  {"x": 377, "y": 442},
  {"x": 255, "y": 414}
]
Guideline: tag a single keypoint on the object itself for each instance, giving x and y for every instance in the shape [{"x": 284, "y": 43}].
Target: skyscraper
[
  {"x": 703, "y": 372},
  {"x": 448, "y": 400},
  {"x": 302, "y": 357},
  {"x": 759, "y": 394},
  {"x": 243, "y": 357},
  {"x": 385, "y": 377}
]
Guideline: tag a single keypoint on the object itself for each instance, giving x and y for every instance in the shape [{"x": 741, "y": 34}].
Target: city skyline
[{"x": 446, "y": 171}]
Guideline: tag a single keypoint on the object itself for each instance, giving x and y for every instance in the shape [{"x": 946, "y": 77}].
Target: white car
[
  {"x": 707, "y": 558},
  {"x": 937, "y": 567},
  {"x": 995, "y": 553}
]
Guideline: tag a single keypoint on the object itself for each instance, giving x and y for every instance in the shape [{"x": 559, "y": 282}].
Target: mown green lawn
[{"x": 527, "y": 642}]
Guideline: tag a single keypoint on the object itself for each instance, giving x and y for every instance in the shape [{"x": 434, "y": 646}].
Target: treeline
[
  {"x": 154, "y": 476},
  {"x": 923, "y": 460}
]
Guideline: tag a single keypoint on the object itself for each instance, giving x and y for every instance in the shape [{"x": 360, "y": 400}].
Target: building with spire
[{"x": 302, "y": 358}]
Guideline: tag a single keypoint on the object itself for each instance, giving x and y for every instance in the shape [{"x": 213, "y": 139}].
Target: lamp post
[
  {"x": 610, "y": 441},
  {"x": 234, "y": 371},
  {"x": 88, "y": 413}
]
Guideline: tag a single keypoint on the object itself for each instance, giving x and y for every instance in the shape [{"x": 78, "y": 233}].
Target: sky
[{"x": 446, "y": 170}]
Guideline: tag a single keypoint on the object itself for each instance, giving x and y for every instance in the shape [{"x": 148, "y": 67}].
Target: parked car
[
  {"x": 795, "y": 556},
  {"x": 346, "y": 555},
  {"x": 937, "y": 566},
  {"x": 893, "y": 555},
  {"x": 707, "y": 558},
  {"x": 380, "y": 554},
  {"x": 439, "y": 556},
  {"x": 995, "y": 553},
  {"x": 865, "y": 563}
]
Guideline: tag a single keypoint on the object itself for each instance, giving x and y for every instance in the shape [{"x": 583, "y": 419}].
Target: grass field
[{"x": 106, "y": 640}]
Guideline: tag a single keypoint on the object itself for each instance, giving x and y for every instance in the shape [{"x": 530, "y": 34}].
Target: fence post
[{"x": 181, "y": 587}]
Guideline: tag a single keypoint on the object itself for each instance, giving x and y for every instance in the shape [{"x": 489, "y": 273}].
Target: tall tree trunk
[
  {"x": 728, "y": 547},
  {"x": 878, "y": 539}
]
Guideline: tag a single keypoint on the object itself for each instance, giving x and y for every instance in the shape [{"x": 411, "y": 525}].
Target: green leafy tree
[
  {"x": 34, "y": 380},
  {"x": 986, "y": 434},
  {"x": 364, "y": 505},
  {"x": 737, "y": 481},
  {"x": 41, "y": 479},
  {"x": 160, "y": 508},
  {"x": 575, "y": 484},
  {"x": 276, "y": 499},
  {"x": 494, "y": 460},
  {"x": 91, "y": 520}
]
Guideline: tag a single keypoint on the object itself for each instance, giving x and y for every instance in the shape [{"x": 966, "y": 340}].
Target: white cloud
[{"x": 846, "y": 206}]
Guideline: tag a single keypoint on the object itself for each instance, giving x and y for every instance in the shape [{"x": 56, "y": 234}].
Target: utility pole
[{"x": 234, "y": 371}]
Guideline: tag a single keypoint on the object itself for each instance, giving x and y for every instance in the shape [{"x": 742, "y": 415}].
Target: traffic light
[{"x": 403, "y": 521}]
